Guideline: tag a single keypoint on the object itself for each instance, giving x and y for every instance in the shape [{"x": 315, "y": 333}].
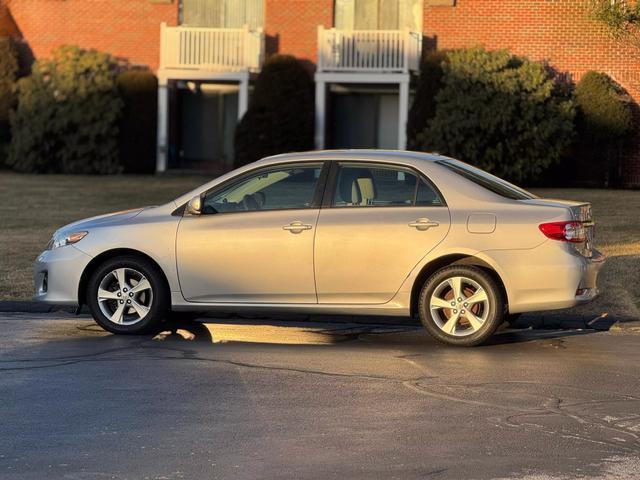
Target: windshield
[{"x": 486, "y": 180}]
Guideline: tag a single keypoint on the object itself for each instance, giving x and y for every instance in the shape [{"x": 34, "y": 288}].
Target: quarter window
[
  {"x": 281, "y": 188},
  {"x": 361, "y": 185},
  {"x": 486, "y": 180}
]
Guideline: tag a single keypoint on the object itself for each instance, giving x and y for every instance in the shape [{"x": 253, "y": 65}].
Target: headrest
[{"x": 349, "y": 187}]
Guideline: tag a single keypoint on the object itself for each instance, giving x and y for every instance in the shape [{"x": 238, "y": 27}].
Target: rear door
[{"x": 377, "y": 222}]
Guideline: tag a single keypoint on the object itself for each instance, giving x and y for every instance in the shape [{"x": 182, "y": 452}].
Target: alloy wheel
[
  {"x": 459, "y": 306},
  {"x": 125, "y": 296}
]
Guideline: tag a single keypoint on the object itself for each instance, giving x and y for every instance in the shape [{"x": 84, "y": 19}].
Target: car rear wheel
[
  {"x": 461, "y": 305},
  {"x": 128, "y": 295}
]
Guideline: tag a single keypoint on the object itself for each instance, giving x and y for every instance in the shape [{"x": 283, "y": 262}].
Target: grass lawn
[{"x": 32, "y": 207}]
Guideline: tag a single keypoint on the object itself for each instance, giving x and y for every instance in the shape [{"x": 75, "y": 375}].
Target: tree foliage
[
  {"x": 423, "y": 108},
  {"x": 280, "y": 117},
  {"x": 604, "y": 120},
  {"x": 8, "y": 72},
  {"x": 501, "y": 113},
  {"x": 138, "y": 124},
  {"x": 67, "y": 115},
  {"x": 604, "y": 115},
  {"x": 621, "y": 18}
]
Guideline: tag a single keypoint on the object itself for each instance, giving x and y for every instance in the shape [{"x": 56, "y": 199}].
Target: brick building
[{"x": 364, "y": 55}]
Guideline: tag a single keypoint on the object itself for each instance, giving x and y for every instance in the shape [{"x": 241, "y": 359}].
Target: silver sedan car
[{"x": 332, "y": 232}]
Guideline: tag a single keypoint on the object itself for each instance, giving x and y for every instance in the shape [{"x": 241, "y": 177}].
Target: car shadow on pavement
[
  {"x": 512, "y": 336},
  {"x": 190, "y": 330},
  {"x": 295, "y": 332}
]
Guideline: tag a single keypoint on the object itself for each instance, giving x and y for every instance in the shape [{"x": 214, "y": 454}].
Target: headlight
[{"x": 62, "y": 239}]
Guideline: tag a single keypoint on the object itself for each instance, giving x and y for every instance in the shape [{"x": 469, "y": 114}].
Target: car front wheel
[
  {"x": 128, "y": 295},
  {"x": 461, "y": 305}
]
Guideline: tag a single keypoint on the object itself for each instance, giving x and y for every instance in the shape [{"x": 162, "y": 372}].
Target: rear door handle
[
  {"x": 297, "y": 227},
  {"x": 423, "y": 224}
]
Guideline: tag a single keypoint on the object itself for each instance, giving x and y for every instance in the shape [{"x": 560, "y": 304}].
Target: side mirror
[{"x": 194, "y": 207}]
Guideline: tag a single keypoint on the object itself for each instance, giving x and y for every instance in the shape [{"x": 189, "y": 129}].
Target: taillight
[{"x": 564, "y": 231}]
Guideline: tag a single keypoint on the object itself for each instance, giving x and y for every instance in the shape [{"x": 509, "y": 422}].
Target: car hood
[{"x": 100, "y": 220}]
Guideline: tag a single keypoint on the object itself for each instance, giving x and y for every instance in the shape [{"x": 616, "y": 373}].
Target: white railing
[
  {"x": 216, "y": 49},
  {"x": 368, "y": 50}
]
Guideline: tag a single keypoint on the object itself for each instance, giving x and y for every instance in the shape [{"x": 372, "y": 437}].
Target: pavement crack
[
  {"x": 187, "y": 354},
  {"x": 414, "y": 385},
  {"x": 69, "y": 357}
]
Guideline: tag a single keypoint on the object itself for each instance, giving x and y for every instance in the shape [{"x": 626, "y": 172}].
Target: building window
[
  {"x": 222, "y": 13},
  {"x": 378, "y": 15}
]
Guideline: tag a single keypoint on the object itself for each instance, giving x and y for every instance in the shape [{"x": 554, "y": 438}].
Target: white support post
[
  {"x": 321, "y": 106},
  {"x": 321, "y": 48},
  {"x": 163, "y": 124},
  {"x": 403, "y": 114},
  {"x": 407, "y": 49},
  {"x": 243, "y": 95}
]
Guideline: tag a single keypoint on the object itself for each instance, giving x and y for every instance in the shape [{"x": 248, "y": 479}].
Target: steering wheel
[
  {"x": 249, "y": 203},
  {"x": 261, "y": 198}
]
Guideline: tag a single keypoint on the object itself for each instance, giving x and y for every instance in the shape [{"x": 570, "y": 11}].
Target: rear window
[{"x": 486, "y": 180}]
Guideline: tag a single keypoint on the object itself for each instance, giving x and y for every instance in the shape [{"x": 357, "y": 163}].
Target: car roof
[
  {"x": 421, "y": 160},
  {"x": 343, "y": 154}
]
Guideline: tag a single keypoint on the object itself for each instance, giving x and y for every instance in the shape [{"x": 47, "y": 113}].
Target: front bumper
[{"x": 57, "y": 274}]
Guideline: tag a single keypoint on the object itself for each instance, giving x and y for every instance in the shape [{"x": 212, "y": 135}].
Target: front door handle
[
  {"x": 297, "y": 227},
  {"x": 423, "y": 224}
]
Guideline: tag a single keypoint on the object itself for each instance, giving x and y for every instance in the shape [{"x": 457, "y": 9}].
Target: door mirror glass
[{"x": 194, "y": 207}]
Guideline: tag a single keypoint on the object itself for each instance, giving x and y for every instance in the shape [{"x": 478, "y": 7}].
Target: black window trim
[
  {"x": 317, "y": 195},
  {"x": 332, "y": 180}
]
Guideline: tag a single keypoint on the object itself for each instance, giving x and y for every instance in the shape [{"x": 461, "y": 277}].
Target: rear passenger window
[
  {"x": 362, "y": 185},
  {"x": 426, "y": 195}
]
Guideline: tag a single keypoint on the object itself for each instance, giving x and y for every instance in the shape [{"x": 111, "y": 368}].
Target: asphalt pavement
[{"x": 266, "y": 399}]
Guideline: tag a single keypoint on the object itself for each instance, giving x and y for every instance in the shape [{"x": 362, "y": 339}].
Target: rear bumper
[
  {"x": 57, "y": 273},
  {"x": 549, "y": 277},
  {"x": 588, "y": 288}
]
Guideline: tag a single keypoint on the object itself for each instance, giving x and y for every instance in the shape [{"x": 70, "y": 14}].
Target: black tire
[
  {"x": 159, "y": 304},
  {"x": 494, "y": 307}
]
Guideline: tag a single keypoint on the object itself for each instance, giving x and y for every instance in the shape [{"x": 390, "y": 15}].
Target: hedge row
[
  {"x": 78, "y": 112},
  {"x": 511, "y": 116},
  {"x": 8, "y": 72}
]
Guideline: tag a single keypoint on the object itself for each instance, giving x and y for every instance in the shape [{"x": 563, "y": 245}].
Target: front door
[
  {"x": 253, "y": 242},
  {"x": 382, "y": 220}
]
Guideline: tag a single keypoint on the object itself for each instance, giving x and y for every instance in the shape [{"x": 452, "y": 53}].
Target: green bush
[
  {"x": 138, "y": 124},
  {"x": 603, "y": 114},
  {"x": 604, "y": 120},
  {"x": 280, "y": 117},
  {"x": 67, "y": 115},
  {"x": 8, "y": 72},
  {"x": 501, "y": 113},
  {"x": 423, "y": 108},
  {"x": 620, "y": 17}
]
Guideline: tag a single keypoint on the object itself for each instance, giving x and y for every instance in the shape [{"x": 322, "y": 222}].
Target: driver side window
[{"x": 276, "y": 188}]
